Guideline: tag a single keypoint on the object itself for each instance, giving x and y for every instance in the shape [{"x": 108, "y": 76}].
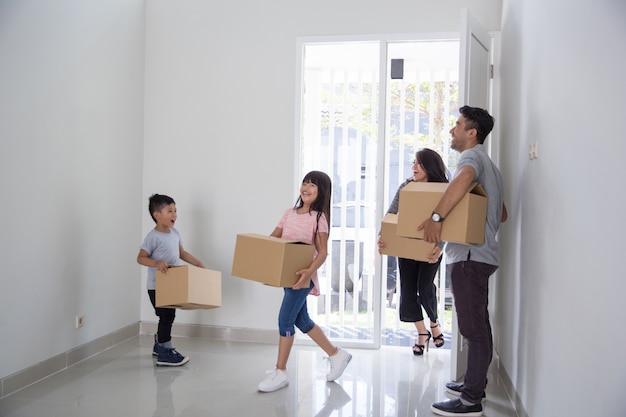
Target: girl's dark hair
[
  {"x": 322, "y": 202},
  {"x": 157, "y": 202},
  {"x": 432, "y": 164}
]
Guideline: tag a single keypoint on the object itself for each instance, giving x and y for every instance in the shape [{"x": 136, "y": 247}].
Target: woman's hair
[
  {"x": 322, "y": 202},
  {"x": 432, "y": 164},
  {"x": 156, "y": 202}
]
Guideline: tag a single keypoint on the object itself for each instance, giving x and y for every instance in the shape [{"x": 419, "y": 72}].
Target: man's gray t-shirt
[
  {"x": 489, "y": 178},
  {"x": 161, "y": 247}
]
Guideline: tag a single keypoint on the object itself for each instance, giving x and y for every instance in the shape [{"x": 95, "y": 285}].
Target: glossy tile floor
[{"x": 221, "y": 379}]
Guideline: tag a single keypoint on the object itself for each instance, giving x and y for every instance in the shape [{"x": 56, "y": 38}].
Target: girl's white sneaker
[{"x": 274, "y": 380}]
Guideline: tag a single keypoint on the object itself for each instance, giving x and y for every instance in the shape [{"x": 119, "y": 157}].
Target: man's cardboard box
[
  {"x": 270, "y": 260},
  {"x": 464, "y": 224},
  {"x": 189, "y": 288},
  {"x": 403, "y": 247}
]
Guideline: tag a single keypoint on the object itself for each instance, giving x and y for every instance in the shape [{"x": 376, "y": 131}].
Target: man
[{"x": 471, "y": 265}]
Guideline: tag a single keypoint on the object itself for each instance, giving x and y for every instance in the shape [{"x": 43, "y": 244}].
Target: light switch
[{"x": 533, "y": 150}]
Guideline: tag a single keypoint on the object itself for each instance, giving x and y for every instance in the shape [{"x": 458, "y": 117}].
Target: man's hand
[{"x": 432, "y": 231}]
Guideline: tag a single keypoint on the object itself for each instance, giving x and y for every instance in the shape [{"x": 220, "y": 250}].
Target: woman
[{"x": 417, "y": 288}]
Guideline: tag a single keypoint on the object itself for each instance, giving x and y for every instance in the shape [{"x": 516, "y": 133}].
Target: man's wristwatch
[{"x": 436, "y": 217}]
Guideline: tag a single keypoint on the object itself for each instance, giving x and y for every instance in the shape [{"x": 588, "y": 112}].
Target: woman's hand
[
  {"x": 434, "y": 255},
  {"x": 381, "y": 245}
]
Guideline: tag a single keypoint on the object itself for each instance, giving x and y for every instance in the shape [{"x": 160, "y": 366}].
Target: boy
[{"x": 161, "y": 248}]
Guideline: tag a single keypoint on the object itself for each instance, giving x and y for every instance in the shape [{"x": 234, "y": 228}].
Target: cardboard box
[
  {"x": 189, "y": 288},
  {"x": 270, "y": 260},
  {"x": 403, "y": 247},
  {"x": 464, "y": 224}
]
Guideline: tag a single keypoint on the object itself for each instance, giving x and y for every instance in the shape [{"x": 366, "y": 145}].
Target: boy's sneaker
[
  {"x": 157, "y": 349},
  {"x": 170, "y": 357},
  {"x": 337, "y": 364},
  {"x": 455, "y": 389},
  {"x": 274, "y": 380}
]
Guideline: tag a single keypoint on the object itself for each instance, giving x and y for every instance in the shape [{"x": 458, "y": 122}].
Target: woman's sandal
[
  {"x": 436, "y": 338},
  {"x": 418, "y": 350}
]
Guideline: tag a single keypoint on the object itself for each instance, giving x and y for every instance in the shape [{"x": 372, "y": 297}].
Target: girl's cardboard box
[{"x": 270, "y": 260}]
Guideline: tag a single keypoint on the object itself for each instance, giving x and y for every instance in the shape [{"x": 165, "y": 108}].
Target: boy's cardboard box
[
  {"x": 464, "y": 224},
  {"x": 189, "y": 287},
  {"x": 270, "y": 260},
  {"x": 403, "y": 247}
]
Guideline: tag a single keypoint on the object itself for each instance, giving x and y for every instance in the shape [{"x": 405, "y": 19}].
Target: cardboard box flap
[
  {"x": 273, "y": 238},
  {"x": 439, "y": 187},
  {"x": 478, "y": 190}
]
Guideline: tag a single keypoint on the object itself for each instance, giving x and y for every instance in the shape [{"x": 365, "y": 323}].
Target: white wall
[
  {"x": 219, "y": 99},
  {"x": 562, "y": 285},
  {"x": 71, "y": 130},
  {"x": 220, "y": 96}
]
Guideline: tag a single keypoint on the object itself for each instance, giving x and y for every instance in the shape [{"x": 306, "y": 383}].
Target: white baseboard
[{"x": 51, "y": 366}]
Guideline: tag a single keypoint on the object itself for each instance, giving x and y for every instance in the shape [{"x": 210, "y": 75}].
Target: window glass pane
[{"x": 340, "y": 105}]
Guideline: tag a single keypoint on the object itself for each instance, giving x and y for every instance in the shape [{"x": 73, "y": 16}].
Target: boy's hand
[{"x": 161, "y": 265}]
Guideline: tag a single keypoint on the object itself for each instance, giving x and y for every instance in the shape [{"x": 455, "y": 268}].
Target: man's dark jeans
[{"x": 470, "y": 287}]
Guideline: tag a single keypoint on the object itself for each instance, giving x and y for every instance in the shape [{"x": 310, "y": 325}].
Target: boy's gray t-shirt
[
  {"x": 489, "y": 178},
  {"x": 161, "y": 247}
]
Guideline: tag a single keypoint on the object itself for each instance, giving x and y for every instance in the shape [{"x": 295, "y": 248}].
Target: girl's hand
[
  {"x": 303, "y": 280},
  {"x": 315, "y": 290}
]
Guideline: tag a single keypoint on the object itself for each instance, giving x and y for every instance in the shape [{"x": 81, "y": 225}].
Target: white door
[{"x": 474, "y": 90}]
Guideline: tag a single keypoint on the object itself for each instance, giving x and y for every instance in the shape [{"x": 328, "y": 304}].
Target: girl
[
  {"x": 307, "y": 222},
  {"x": 417, "y": 288}
]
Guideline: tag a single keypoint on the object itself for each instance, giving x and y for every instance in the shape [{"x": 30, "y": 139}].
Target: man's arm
[{"x": 455, "y": 191}]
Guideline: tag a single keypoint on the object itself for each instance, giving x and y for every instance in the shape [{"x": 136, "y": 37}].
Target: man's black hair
[{"x": 479, "y": 119}]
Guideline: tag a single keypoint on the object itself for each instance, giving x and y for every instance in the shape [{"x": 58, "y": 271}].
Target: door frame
[
  {"x": 471, "y": 28},
  {"x": 383, "y": 40}
]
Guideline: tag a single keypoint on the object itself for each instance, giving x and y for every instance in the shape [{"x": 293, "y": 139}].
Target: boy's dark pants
[
  {"x": 166, "y": 319},
  {"x": 470, "y": 287}
]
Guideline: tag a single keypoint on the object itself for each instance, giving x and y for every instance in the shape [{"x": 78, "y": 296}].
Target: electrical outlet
[{"x": 80, "y": 320}]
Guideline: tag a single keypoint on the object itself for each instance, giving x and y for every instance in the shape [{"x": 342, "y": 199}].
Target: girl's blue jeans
[{"x": 294, "y": 313}]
